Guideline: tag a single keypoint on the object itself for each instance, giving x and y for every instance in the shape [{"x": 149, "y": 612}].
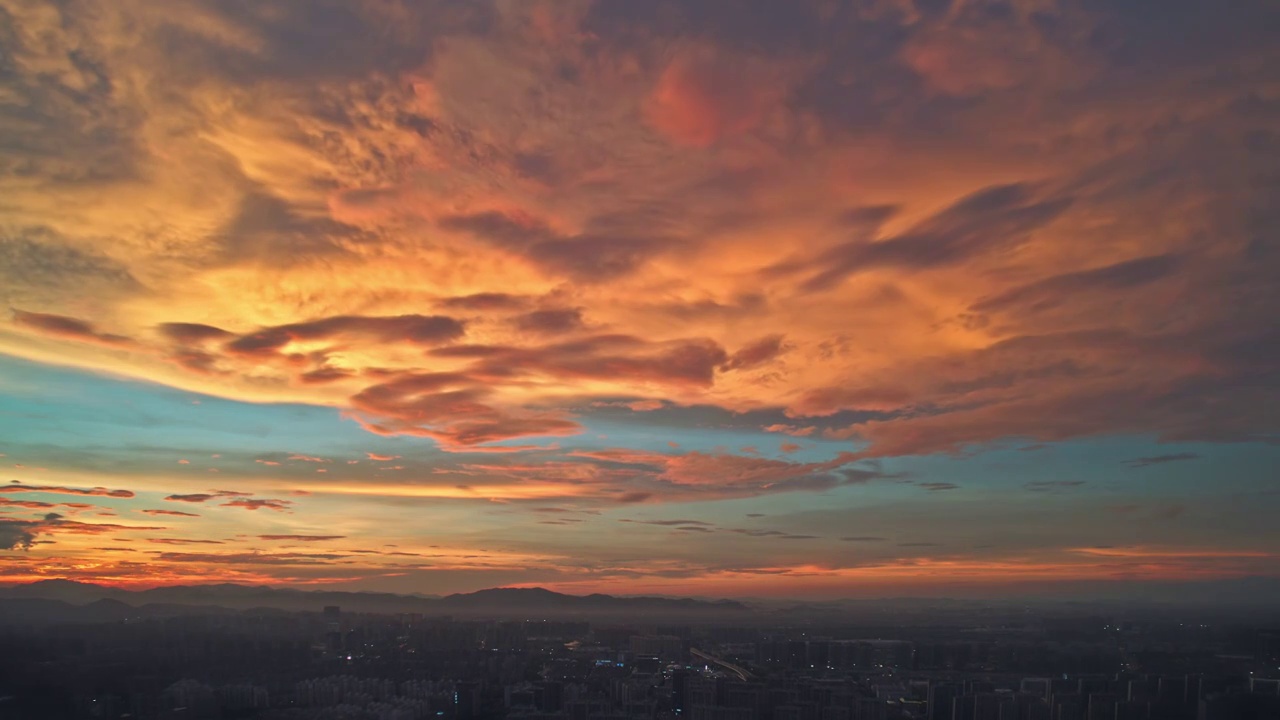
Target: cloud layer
[{"x": 532, "y": 238}]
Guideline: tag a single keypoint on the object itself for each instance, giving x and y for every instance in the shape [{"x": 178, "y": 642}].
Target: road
[{"x": 741, "y": 672}]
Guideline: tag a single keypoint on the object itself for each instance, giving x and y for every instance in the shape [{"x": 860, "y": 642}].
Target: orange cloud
[
  {"x": 16, "y": 487},
  {"x": 309, "y": 458},
  {"x": 448, "y": 407},
  {"x": 58, "y": 525},
  {"x": 891, "y": 232},
  {"x": 791, "y": 430},
  {"x": 703, "y": 96},
  {"x": 36, "y": 504},
  {"x": 1154, "y": 553}
]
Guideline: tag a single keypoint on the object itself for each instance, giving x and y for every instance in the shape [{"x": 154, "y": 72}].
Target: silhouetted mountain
[
  {"x": 530, "y": 597},
  {"x": 97, "y": 602},
  {"x": 36, "y": 611},
  {"x": 523, "y": 600},
  {"x": 52, "y": 601},
  {"x": 69, "y": 591}
]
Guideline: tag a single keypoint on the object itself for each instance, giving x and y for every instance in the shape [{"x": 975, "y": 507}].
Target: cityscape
[{"x": 658, "y": 660}]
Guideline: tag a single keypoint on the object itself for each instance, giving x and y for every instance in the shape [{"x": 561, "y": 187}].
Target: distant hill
[
  {"x": 238, "y": 597},
  {"x": 529, "y": 599},
  {"x": 56, "y": 601},
  {"x": 87, "y": 601}
]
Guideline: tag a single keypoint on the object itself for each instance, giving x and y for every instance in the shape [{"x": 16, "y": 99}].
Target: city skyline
[{"x": 718, "y": 299}]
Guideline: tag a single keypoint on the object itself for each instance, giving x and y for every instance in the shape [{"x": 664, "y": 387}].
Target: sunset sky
[{"x": 791, "y": 298}]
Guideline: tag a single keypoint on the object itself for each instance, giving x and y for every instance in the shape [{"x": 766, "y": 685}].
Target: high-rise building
[
  {"x": 939, "y": 699},
  {"x": 679, "y": 691}
]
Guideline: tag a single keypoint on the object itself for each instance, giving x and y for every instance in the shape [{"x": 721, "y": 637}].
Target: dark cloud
[
  {"x": 761, "y": 26},
  {"x": 455, "y": 407},
  {"x": 743, "y": 305},
  {"x": 755, "y": 353},
  {"x": 1059, "y": 385},
  {"x": 259, "y": 504},
  {"x": 585, "y": 257},
  {"x": 28, "y": 504},
  {"x": 191, "y": 498},
  {"x": 305, "y": 42},
  {"x": 191, "y": 333},
  {"x": 666, "y": 523},
  {"x": 1062, "y": 288},
  {"x": 324, "y": 375},
  {"x": 775, "y": 534},
  {"x": 724, "y": 475},
  {"x": 610, "y": 357},
  {"x": 628, "y": 498},
  {"x": 204, "y": 497},
  {"x": 485, "y": 302},
  {"x": 994, "y": 218},
  {"x": 938, "y": 486},
  {"x": 16, "y": 534},
  {"x": 449, "y": 407},
  {"x": 416, "y": 329},
  {"x": 1160, "y": 459},
  {"x": 536, "y": 166},
  {"x": 16, "y": 487},
  {"x": 57, "y": 524},
  {"x": 252, "y": 558},
  {"x": 197, "y": 361},
  {"x": 67, "y": 327},
  {"x": 37, "y": 266},
  {"x": 863, "y": 538},
  {"x": 1048, "y": 486},
  {"x": 39, "y": 505},
  {"x": 268, "y": 231},
  {"x": 549, "y": 322},
  {"x": 65, "y": 123},
  {"x": 302, "y": 538},
  {"x": 173, "y": 513},
  {"x": 1142, "y": 44}
]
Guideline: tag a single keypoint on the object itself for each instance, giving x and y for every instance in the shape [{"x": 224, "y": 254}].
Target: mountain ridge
[{"x": 495, "y": 602}]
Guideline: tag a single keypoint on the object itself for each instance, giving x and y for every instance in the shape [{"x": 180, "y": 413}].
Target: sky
[{"x": 734, "y": 298}]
